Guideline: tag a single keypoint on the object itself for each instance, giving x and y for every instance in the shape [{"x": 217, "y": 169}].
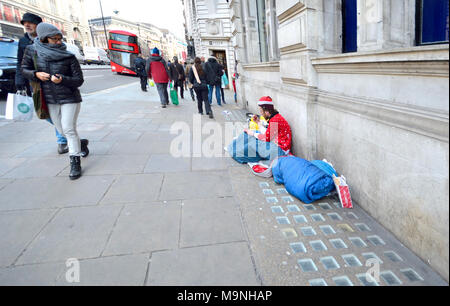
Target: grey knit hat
[{"x": 45, "y": 30}]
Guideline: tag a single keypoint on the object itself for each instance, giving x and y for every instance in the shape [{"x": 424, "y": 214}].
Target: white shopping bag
[{"x": 19, "y": 107}]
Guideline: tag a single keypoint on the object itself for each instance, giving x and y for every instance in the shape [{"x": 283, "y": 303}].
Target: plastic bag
[
  {"x": 151, "y": 83},
  {"x": 19, "y": 107},
  {"x": 174, "y": 96}
]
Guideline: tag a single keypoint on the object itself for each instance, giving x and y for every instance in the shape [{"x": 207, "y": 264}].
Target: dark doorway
[{"x": 222, "y": 59}]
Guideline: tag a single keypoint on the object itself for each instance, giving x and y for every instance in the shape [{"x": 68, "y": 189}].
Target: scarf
[{"x": 51, "y": 52}]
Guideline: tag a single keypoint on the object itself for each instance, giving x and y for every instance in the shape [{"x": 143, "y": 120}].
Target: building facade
[
  {"x": 209, "y": 31},
  {"x": 150, "y": 36},
  {"x": 364, "y": 84},
  {"x": 69, "y": 16}
]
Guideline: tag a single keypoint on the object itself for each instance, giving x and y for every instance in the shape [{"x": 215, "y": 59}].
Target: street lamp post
[{"x": 104, "y": 26}]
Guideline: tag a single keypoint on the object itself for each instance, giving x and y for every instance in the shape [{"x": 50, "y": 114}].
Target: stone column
[{"x": 385, "y": 24}]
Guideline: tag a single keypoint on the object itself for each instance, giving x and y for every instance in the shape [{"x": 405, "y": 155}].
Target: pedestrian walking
[
  {"x": 214, "y": 76},
  {"x": 189, "y": 64},
  {"x": 225, "y": 84},
  {"x": 30, "y": 22},
  {"x": 158, "y": 71},
  {"x": 47, "y": 61},
  {"x": 198, "y": 77},
  {"x": 139, "y": 63},
  {"x": 177, "y": 76}
]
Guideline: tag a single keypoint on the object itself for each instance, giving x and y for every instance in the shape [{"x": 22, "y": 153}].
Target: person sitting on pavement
[
  {"x": 47, "y": 61},
  {"x": 158, "y": 72},
  {"x": 30, "y": 22},
  {"x": 252, "y": 147}
]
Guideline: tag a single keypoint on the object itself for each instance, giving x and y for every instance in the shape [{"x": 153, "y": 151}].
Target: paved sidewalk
[{"x": 139, "y": 216}]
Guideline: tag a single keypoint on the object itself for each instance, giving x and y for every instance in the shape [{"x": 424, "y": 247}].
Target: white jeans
[{"x": 64, "y": 117}]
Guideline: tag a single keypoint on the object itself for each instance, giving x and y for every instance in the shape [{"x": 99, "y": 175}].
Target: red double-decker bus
[{"x": 123, "y": 50}]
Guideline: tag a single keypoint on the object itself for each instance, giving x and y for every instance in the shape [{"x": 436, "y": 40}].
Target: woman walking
[
  {"x": 47, "y": 61},
  {"x": 197, "y": 77}
]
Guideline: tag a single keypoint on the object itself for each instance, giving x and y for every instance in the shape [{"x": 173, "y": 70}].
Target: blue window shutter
[
  {"x": 435, "y": 21},
  {"x": 350, "y": 26}
]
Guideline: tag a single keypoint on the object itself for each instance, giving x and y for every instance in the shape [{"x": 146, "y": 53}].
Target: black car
[{"x": 8, "y": 63}]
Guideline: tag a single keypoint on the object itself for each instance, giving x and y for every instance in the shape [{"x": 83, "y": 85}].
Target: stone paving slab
[
  {"x": 37, "y": 193},
  {"x": 8, "y": 150},
  {"x": 111, "y": 165},
  {"x": 80, "y": 233},
  {"x": 39, "y": 167},
  {"x": 215, "y": 265},
  {"x": 141, "y": 147},
  {"x": 145, "y": 228},
  {"x": 18, "y": 230},
  {"x": 210, "y": 221},
  {"x": 111, "y": 271},
  {"x": 32, "y": 275},
  {"x": 167, "y": 163},
  {"x": 211, "y": 163},
  {"x": 4, "y": 182},
  {"x": 195, "y": 185},
  {"x": 137, "y": 188},
  {"x": 44, "y": 149},
  {"x": 7, "y": 164}
]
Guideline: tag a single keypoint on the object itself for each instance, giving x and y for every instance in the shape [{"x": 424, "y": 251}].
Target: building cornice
[
  {"x": 291, "y": 12},
  {"x": 421, "y": 61}
]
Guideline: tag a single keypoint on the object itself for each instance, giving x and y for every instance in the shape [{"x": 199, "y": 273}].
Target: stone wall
[{"x": 380, "y": 114}]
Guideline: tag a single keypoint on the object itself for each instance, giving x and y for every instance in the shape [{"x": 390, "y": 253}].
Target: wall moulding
[
  {"x": 430, "y": 69},
  {"x": 293, "y": 81},
  {"x": 420, "y": 61},
  {"x": 428, "y": 123},
  {"x": 293, "y": 49},
  {"x": 292, "y": 12},
  {"x": 271, "y": 67}
]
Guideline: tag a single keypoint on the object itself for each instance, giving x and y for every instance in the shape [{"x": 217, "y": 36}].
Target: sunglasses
[{"x": 55, "y": 39}]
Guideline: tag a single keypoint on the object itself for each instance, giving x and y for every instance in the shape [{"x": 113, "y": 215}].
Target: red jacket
[
  {"x": 279, "y": 132},
  {"x": 157, "y": 70}
]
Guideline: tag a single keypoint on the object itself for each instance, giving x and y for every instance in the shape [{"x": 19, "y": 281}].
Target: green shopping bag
[{"x": 173, "y": 95}]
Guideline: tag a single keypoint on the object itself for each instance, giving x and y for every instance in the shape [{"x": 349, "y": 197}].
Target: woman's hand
[
  {"x": 56, "y": 78},
  {"x": 43, "y": 76}
]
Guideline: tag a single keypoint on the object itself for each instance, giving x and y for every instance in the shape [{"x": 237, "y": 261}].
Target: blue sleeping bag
[{"x": 302, "y": 179}]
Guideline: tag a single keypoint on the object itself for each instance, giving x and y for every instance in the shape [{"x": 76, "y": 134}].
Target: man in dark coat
[
  {"x": 177, "y": 76},
  {"x": 139, "y": 63},
  {"x": 214, "y": 72},
  {"x": 30, "y": 22}
]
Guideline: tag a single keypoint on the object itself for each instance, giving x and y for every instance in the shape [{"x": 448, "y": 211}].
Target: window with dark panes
[
  {"x": 432, "y": 22},
  {"x": 350, "y": 26}
]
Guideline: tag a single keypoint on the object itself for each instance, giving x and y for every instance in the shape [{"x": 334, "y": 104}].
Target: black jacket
[
  {"x": 193, "y": 79},
  {"x": 177, "y": 72},
  {"x": 140, "y": 64},
  {"x": 72, "y": 77},
  {"x": 21, "y": 81},
  {"x": 214, "y": 72}
]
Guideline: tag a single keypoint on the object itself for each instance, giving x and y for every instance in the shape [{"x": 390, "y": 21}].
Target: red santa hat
[{"x": 265, "y": 101}]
